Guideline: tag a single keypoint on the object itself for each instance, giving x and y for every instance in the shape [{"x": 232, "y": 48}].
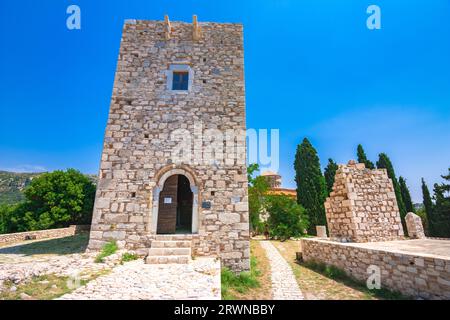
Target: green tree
[
  {"x": 286, "y": 217},
  {"x": 428, "y": 206},
  {"x": 362, "y": 158},
  {"x": 385, "y": 163},
  {"x": 406, "y": 195},
  {"x": 7, "y": 218},
  {"x": 56, "y": 199},
  {"x": 311, "y": 186},
  {"x": 329, "y": 173},
  {"x": 440, "y": 222},
  {"x": 257, "y": 188}
]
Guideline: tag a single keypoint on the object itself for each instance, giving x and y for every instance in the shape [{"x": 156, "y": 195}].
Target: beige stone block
[
  {"x": 102, "y": 203},
  {"x": 229, "y": 218}
]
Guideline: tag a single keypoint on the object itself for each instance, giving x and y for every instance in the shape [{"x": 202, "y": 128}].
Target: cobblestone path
[
  {"x": 199, "y": 279},
  {"x": 284, "y": 285}
]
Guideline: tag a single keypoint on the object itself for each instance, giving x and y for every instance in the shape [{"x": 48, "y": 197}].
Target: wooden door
[{"x": 167, "y": 211}]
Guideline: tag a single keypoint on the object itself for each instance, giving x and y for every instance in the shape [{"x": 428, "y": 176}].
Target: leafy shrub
[
  {"x": 107, "y": 250},
  {"x": 257, "y": 188},
  {"x": 53, "y": 200},
  {"x": 286, "y": 217},
  {"x": 127, "y": 256}
]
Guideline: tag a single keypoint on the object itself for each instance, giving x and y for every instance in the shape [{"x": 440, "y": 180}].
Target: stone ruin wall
[
  {"x": 137, "y": 146},
  {"x": 362, "y": 206},
  {"x": 415, "y": 275}
]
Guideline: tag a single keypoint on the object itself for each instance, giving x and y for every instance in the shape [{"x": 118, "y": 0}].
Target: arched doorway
[
  {"x": 173, "y": 172},
  {"x": 175, "y": 206}
]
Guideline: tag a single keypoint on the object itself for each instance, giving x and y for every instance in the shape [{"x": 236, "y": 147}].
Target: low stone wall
[
  {"x": 416, "y": 275},
  {"x": 42, "y": 234}
]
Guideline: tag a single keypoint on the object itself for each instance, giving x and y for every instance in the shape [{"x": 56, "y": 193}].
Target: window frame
[
  {"x": 179, "y": 68},
  {"x": 183, "y": 80}
]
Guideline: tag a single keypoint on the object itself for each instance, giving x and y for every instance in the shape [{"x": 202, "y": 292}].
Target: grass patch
[
  {"x": 316, "y": 285},
  {"x": 47, "y": 287},
  {"x": 339, "y": 275},
  {"x": 252, "y": 285},
  {"x": 127, "y": 256},
  {"x": 44, "y": 287},
  {"x": 107, "y": 250}
]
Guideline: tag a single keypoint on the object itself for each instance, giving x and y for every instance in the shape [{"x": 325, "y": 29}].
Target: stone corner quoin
[{"x": 137, "y": 195}]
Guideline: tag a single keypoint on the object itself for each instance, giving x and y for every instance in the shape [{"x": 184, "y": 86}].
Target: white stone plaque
[{"x": 167, "y": 200}]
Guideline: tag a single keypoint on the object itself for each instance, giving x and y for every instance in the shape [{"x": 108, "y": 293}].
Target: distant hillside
[{"x": 12, "y": 185}]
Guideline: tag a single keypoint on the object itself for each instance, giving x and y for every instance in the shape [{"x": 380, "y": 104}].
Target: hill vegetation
[{"x": 13, "y": 184}]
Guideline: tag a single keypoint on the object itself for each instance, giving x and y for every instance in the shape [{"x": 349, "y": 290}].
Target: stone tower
[{"x": 178, "y": 86}]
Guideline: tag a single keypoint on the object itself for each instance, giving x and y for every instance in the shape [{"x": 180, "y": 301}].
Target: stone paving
[
  {"x": 199, "y": 279},
  {"x": 18, "y": 268},
  {"x": 284, "y": 284}
]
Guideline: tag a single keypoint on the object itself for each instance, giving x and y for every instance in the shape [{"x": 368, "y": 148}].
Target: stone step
[
  {"x": 167, "y": 259},
  {"x": 169, "y": 251},
  {"x": 171, "y": 244},
  {"x": 172, "y": 237}
]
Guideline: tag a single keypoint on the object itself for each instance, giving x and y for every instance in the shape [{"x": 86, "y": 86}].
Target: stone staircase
[{"x": 171, "y": 248}]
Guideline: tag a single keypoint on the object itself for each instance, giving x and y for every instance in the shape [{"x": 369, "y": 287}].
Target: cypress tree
[
  {"x": 311, "y": 186},
  {"x": 329, "y": 173},
  {"x": 428, "y": 205},
  {"x": 441, "y": 211},
  {"x": 385, "y": 163},
  {"x": 406, "y": 195},
  {"x": 362, "y": 158}
]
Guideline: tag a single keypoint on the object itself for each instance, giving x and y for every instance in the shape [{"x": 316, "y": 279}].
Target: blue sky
[{"x": 312, "y": 69}]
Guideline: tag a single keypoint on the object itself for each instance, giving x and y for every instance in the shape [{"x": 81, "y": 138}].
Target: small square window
[{"x": 180, "y": 80}]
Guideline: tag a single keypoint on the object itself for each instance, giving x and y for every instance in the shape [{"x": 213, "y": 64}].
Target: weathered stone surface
[
  {"x": 362, "y": 206},
  {"x": 284, "y": 284},
  {"x": 197, "y": 280},
  {"x": 321, "y": 231},
  {"x": 412, "y": 267},
  {"x": 137, "y": 149},
  {"x": 414, "y": 226}
]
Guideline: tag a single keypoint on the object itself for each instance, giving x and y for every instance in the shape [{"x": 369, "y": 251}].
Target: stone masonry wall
[
  {"x": 138, "y": 147},
  {"x": 413, "y": 275},
  {"x": 362, "y": 206},
  {"x": 42, "y": 234}
]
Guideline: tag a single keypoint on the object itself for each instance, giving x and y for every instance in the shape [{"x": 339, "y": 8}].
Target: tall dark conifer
[
  {"x": 311, "y": 186},
  {"x": 385, "y": 163},
  {"x": 428, "y": 205},
  {"x": 406, "y": 195},
  {"x": 362, "y": 158},
  {"x": 329, "y": 173},
  {"x": 441, "y": 211}
]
